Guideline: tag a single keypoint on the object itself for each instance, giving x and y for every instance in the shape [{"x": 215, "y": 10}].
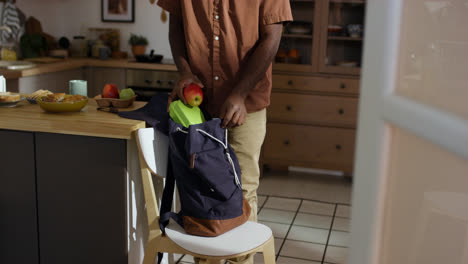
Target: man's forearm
[
  {"x": 259, "y": 61},
  {"x": 177, "y": 42}
]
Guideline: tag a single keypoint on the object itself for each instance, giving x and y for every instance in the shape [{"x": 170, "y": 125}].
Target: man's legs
[{"x": 247, "y": 141}]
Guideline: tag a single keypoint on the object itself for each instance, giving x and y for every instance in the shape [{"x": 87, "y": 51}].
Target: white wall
[{"x": 68, "y": 17}]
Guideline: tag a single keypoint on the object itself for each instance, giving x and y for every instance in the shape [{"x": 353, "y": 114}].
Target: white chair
[{"x": 248, "y": 238}]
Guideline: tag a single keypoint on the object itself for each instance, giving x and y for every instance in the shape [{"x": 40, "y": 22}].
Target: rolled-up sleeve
[
  {"x": 171, "y": 6},
  {"x": 275, "y": 11}
]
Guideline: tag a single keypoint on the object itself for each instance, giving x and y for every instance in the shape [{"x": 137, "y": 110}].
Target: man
[{"x": 227, "y": 47}]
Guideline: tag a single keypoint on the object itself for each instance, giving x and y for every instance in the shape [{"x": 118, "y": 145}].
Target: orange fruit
[{"x": 294, "y": 53}]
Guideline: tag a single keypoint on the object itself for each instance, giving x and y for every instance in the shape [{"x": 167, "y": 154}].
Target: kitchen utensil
[
  {"x": 78, "y": 87},
  {"x": 59, "y": 107},
  {"x": 151, "y": 58},
  {"x": 114, "y": 102}
]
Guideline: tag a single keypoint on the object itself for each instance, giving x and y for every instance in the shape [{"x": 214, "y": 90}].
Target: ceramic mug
[{"x": 78, "y": 87}]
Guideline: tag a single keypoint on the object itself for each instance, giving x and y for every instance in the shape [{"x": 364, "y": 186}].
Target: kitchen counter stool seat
[{"x": 248, "y": 238}]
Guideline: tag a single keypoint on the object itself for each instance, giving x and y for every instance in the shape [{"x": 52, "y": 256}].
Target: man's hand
[
  {"x": 233, "y": 111},
  {"x": 178, "y": 91}
]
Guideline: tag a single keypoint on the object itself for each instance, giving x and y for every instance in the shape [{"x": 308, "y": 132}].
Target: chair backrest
[
  {"x": 154, "y": 147},
  {"x": 153, "y": 153}
]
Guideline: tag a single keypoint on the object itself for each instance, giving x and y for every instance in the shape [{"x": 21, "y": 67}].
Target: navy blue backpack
[{"x": 208, "y": 179}]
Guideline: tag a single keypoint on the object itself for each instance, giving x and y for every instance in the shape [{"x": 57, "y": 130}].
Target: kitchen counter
[
  {"x": 75, "y": 63},
  {"x": 88, "y": 122}
]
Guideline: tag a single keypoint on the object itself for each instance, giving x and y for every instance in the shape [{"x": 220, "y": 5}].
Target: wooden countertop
[
  {"x": 70, "y": 64},
  {"x": 88, "y": 122}
]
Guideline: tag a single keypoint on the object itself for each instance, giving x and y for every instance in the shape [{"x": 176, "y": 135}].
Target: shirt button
[
  {"x": 217, "y": 17},
  {"x": 216, "y": 78},
  {"x": 216, "y": 38}
]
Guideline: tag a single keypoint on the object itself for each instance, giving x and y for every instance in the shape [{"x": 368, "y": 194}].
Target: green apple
[{"x": 127, "y": 93}]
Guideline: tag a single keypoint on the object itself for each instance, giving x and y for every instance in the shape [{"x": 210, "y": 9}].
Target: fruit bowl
[
  {"x": 114, "y": 102},
  {"x": 59, "y": 107}
]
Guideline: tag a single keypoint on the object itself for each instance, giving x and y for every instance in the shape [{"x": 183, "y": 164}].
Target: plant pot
[{"x": 138, "y": 50}]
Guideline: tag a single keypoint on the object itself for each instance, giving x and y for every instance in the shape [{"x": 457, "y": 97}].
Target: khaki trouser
[{"x": 246, "y": 141}]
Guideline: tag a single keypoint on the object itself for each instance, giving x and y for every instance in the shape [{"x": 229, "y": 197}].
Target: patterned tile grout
[
  {"x": 289, "y": 229},
  {"x": 329, "y": 234},
  {"x": 309, "y": 200}
]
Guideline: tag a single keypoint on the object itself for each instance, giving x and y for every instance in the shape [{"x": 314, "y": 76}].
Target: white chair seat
[{"x": 240, "y": 239}]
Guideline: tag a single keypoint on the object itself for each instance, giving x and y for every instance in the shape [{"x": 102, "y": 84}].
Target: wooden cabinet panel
[
  {"x": 81, "y": 192},
  {"x": 98, "y": 77},
  {"x": 18, "y": 220},
  {"x": 313, "y": 109},
  {"x": 316, "y": 84},
  {"x": 317, "y": 147},
  {"x": 56, "y": 82}
]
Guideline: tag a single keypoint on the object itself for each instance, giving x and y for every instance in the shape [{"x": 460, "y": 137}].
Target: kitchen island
[{"x": 70, "y": 187}]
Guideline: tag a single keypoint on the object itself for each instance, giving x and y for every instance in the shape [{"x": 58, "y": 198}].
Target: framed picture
[{"x": 118, "y": 10}]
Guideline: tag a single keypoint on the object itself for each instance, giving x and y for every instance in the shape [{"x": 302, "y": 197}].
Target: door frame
[{"x": 380, "y": 109}]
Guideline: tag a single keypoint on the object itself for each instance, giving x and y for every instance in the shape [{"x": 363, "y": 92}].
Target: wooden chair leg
[
  {"x": 150, "y": 252},
  {"x": 269, "y": 252},
  {"x": 209, "y": 261}
]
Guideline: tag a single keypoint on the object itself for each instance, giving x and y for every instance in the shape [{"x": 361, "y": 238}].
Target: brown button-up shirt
[{"x": 220, "y": 36}]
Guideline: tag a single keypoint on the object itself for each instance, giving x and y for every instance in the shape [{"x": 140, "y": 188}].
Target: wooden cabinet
[
  {"x": 314, "y": 103},
  {"x": 18, "y": 224},
  {"x": 98, "y": 77},
  {"x": 56, "y": 82}
]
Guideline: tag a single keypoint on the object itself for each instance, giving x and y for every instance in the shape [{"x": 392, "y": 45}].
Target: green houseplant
[{"x": 138, "y": 43}]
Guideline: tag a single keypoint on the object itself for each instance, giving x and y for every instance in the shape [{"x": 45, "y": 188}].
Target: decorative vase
[{"x": 138, "y": 50}]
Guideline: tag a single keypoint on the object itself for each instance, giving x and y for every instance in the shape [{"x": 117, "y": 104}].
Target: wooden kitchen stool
[{"x": 248, "y": 238}]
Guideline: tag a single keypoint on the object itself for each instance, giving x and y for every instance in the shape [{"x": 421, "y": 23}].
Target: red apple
[
  {"x": 110, "y": 91},
  {"x": 193, "y": 94}
]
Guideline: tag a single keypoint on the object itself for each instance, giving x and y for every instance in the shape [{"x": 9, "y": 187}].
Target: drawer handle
[
  {"x": 147, "y": 81},
  {"x": 159, "y": 82},
  {"x": 290, "y": 82},
  {"x": 286, "y": 142},
  {"x": 171, "y": 82},
  {"x": 288, "y": 107},
  {"x": 343, "y": 86},
  {"x": 341, "y": 111},
  {"x": 338, "y": 147}
]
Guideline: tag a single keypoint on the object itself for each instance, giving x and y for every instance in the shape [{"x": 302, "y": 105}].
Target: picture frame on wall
[{"x": 118, "y": 11}]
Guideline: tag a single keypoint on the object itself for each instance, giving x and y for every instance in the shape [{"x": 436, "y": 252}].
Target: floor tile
[
  {"x": 278, "y": 244},
  {"x": 258, "y": 259},
  {"x": 317, "y": 208},
  {"x": 311, "y": 220},
  {"x": 282, "y": 203},
  {"x": 338, "y": 238},
  {"x": 279, "y": 230},
  {"x": 343, "y": 211},
  {"x": 261, "y": 200},
  {"x": 187, "y": 259},
  {"x": 302, "y": 250},
  {"x": 278, "y": 216},
  {"x": 308, "y": 234},
  {"x": 306, "y": 186},
  {"x": 177, "y": 257},
  {"x": 341, "y": 224},
  {"x": 336, "y": 255},
  {"x": 286, "y": 260}
]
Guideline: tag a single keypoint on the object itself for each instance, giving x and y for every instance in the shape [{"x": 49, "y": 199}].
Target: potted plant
[{"x": 138, "y": 43}]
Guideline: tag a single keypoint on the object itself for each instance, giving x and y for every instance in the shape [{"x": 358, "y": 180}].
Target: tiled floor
[{"x": 308, "y": 228}]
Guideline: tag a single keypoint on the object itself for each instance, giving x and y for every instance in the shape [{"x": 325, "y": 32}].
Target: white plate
[{"x": 11, "y": 104}]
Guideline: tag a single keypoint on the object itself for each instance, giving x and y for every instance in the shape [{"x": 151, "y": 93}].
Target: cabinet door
[
  {"x": 341, "y": 37},
  {"x": 81, "y": 199},
  {"x": 56, "y": 82},
  {"x": 98, "y": 77},
  {"x": 18, "y": 217}
]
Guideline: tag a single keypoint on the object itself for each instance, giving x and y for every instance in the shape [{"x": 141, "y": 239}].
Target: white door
[{"x": 410, "y": 196}]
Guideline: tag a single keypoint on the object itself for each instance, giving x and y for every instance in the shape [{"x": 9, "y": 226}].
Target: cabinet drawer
[
  {"x": 316, "y": 84},
  {"x": 313, "y": 109},
  {"x": 316, "y": 147},
  {"x": 152, "y": 79}
]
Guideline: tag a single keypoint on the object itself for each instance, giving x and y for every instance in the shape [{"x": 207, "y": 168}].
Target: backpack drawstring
[{"x": 225, "y": 145}]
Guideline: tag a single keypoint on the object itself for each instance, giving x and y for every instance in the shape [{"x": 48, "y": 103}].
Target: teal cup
[{"x": 78, "y": 87}]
